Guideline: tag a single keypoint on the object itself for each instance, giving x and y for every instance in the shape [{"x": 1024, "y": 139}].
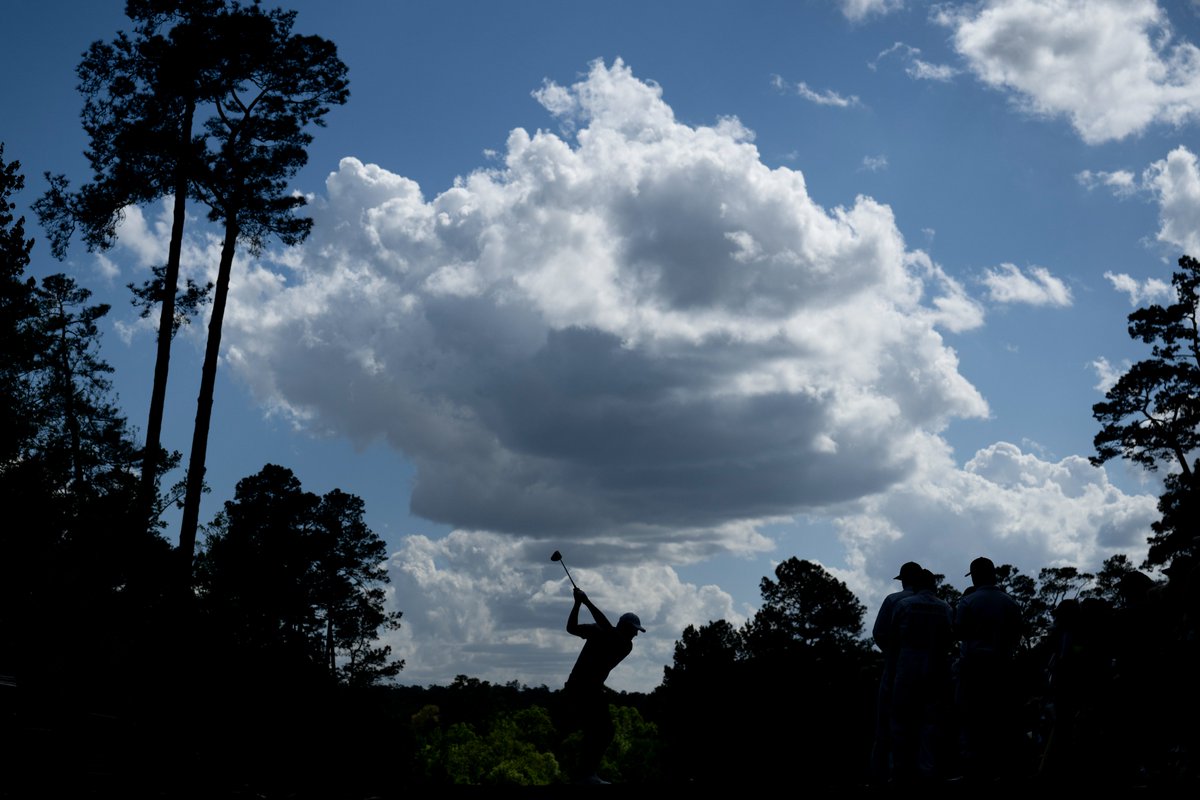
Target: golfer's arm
[
  {"x": 598, "y": 615},
  {"x": 573, "y": 620}
]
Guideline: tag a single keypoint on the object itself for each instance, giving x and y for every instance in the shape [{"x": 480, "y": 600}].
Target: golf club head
[{"x": 557, "y": 556}]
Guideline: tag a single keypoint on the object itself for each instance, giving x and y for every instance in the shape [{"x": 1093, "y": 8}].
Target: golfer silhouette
[{"x": 604, "y": 647}]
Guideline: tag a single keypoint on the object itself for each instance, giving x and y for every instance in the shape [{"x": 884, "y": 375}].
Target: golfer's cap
[
  {"x": 982, "y": 566},
  {"x": 631, "y": 619},
  {"x": 909, "y": 572}
]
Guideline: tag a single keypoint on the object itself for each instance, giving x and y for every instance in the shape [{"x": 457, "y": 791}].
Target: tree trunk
[
  {"x": 329, "y": 652},
  {"x": 152, "y": 457},
  {"x": 208, "y": 379}
]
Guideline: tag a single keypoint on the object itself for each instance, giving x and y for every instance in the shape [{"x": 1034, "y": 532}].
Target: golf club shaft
[{"x": 564, "y": 566}]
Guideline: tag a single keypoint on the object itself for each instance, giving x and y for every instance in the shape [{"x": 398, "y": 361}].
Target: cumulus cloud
[
  {"x": 825, "y": 98},
  {"x": 1036, "y": 287},
  {"x": 1151, "y": 290},
  {"x": 859, "y": 10},
  {"x": 642, "y": 346},
  {"x": 1009, "y": 505},
  {"x": 495, "y": 607},
  {"x": 1111, "y": 67},
  {"x": 1174, "y": 183},
  {"x": 1107, "y": 374},
  {"x": 641, "y": 333}
]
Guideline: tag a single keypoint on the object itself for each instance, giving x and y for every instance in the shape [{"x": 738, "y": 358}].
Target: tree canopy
[
  {"x": 294, "y": 582},
  {"x": 141, "y": 93},
  {"x": 271, "y": 86},
  {"x": 1151, "y": 415},
  {"x": 805, "y": 608},
  {"x": 16, "y": 306}
]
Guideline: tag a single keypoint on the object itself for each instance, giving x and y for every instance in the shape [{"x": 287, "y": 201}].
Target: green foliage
[
  {"x": 747, "y": 697},
  {"x": 1056, "y": 584},
  {"x": 475, "y": 733},
  {"x": 70, "y": 560},
  {"x": 635, "y": 755},
  {"x": 294, "y": 582},
  {"x": 140, "y": 94},
  {"x": 152, "y": 293},
  {"x": 17, "y": 303},
  {"x": 704, "y": 654},
  {"x": 269, "y": 86},
  {"x": 946, "y": 591},
  {"x": 79, "y": 425},
  {"x": 805, "y": 608},
  {"x": 1151, "y": 415},
  {"x": 1107, "y": 581},
  {"x": 514, "y": 749}
]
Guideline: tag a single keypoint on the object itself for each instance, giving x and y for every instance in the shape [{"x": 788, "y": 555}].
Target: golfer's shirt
[{"x": 603, "y": 649}]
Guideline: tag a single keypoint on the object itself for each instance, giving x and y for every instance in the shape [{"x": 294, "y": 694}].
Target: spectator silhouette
[
  {"x": 922, "y": 632},
  {"x": 1181, "y": 599},
  {"x": 881, "y": 632},
  {"x": 1079, "y": 677},
  {"x": 605, "y": 646},
  {"x": 1141, "y": 629},
  {"x": 987, "y": 622}
]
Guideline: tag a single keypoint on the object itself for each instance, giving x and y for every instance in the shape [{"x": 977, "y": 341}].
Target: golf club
[{"x": 557, "y": 556}]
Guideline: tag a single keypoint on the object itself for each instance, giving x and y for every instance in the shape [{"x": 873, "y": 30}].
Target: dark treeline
[{"x": 249, "y": 660}]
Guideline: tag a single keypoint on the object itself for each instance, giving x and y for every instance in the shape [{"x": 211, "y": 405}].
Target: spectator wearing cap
[
  {"x": 923, "y": 635},
  {"x": 881, "y": 753},
  {"x": 987, "y": 623}
]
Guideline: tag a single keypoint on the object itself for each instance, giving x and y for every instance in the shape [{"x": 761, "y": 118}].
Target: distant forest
[{"x": 249, "y": 661}]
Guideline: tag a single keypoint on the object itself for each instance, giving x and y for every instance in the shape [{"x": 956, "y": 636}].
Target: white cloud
[
  {"x": 643, "y": 333},
  {"x": 926, "y": 71},
  {"x": 1174, "y": 183},
  {"x": 874, "y": 163},
  {"x": 1123, "y": 183},
  {"x": 1112, "y": 67},
  {"x": 107, "y": 268},
  {"x": 825, "y": 98},
  {"x": 143, "y": 239},
  {"x": 557, "y": 100},
  {"x": 916, "y": 68},
  {"x": 1008, "y": 284},
  {"x": 858, "y": 10},
  {"x": 1011, "y": 506},
  {"x": 1151, "y": 290},
  {"x": 1107, "y": 375},
  {"x": 642, "y": 346}
]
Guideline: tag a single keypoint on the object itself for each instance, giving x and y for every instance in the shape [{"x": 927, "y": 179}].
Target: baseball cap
[
  {"x": 631, "y": 619},
  {"x": 982, "y": 566},
  {"x": 909, "y": 573}
]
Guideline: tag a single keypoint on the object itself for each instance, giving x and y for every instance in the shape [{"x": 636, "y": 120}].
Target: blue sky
[{"x": 681, "y": 289}]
